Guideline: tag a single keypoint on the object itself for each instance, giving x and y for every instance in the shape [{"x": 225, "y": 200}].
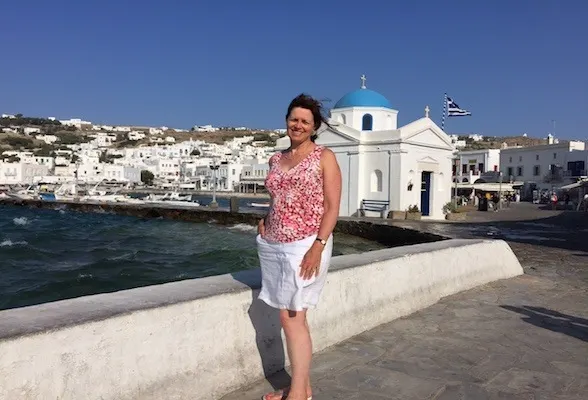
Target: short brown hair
[{"x": 313, "y": 105}]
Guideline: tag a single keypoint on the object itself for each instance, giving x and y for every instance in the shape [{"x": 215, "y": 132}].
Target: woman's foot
[{"x": 283, "y": 394}]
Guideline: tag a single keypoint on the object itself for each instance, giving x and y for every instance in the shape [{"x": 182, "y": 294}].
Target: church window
[
  {"x": 367, "y": 122},
  {"x": 376, "y": 181}
]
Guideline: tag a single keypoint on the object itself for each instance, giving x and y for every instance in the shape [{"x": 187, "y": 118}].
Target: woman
[{"x": 295, "y": 239}]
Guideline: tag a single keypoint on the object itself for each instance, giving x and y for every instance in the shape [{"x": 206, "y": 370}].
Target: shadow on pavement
[
  {"x": 554, "y": 321},
  {"x": 266, "y": 322}
]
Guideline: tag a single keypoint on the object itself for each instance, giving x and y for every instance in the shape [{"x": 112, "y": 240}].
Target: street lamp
[
  {"x": 456, "y": 160},
  {"x": 500, "y": 190},
  {"x": 213, "y": 167}
]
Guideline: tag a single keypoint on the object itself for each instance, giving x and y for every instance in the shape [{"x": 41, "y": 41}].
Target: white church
[{"x": 385, "y": 167}]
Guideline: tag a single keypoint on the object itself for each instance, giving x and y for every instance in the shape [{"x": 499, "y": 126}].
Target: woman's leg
[{"x": 299, "y": 346}]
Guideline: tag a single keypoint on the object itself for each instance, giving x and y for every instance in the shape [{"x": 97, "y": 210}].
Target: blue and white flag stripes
[{"x": 453, "y": 109}]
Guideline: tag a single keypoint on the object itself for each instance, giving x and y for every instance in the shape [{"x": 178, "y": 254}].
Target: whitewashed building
[
  {"x": 404, "y": 166},
  {"x": 475, "y": 164},
  {"x": 21, "y": 173},
  {"x": 549, "y": 165}
]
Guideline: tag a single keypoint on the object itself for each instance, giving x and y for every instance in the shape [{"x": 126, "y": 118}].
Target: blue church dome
[{"x": 363, "y": 98}]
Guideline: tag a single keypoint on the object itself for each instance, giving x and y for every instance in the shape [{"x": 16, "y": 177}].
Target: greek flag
[{"x": 453, "y": 110}]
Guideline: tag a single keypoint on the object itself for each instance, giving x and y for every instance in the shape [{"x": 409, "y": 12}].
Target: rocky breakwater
[{"x": 388, "y": 235}]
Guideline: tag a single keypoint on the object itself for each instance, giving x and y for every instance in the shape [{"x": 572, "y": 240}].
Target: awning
[
  {"x": 487, "y": 187},
  {"x": 574, "y": 185}
]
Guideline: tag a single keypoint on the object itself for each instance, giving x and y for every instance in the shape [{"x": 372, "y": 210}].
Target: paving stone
[
  {"x": 516, "y": 380},
  {"x": 524, "y": 338},
  {"x": 393, "y": 384},
  {"x": 434, "y": 368}
]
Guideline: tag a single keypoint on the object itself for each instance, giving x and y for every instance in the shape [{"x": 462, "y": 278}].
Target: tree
[
  {"x": 18, "y": 142},
  {"x": 147, "y": 177},
  {"x": 44, "y": 151}
]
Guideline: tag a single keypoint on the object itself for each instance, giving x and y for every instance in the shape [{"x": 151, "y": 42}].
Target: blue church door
[{"x": 425, "y": 192}]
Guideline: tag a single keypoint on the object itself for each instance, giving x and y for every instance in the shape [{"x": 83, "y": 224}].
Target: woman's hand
[
  {"x": 311, "y": 262},
  {"x": 261, "y": 227}
]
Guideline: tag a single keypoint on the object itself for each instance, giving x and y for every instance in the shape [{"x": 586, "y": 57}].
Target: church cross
[
  {"x": 363, "y": 79},
  {"x": 427, "y": 109}
]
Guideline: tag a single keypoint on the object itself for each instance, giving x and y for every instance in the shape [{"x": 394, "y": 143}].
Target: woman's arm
[
  {"x": 332, "y": 193},
  {"x": 263, "y": 221}
]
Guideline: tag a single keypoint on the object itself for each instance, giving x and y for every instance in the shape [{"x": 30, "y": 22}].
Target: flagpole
[{"x": 444, "y": 112}]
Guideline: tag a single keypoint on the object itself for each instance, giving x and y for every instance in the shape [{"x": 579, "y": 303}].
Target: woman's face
[{"x": 300, "y": 124}]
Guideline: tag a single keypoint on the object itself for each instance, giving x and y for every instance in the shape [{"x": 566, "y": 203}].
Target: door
[{"x": 425, "y": 192}]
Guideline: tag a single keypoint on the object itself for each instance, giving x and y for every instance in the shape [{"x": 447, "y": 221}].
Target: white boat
[
  {"x": 259, "y": 205},
  {"x": 171, "y": 199},
  {"x": 30, "y": 193},
  {"x": 107, "y": 196}
]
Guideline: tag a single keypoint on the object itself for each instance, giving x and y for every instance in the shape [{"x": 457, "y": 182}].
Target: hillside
[{"x": 511, "y": 141}]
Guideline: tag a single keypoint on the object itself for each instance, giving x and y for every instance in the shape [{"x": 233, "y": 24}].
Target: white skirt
[{"x": 281, "y": 285}]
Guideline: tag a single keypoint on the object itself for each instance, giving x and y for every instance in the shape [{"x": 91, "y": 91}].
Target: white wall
[
  {"x": 382, "y": 118},
  {"x": 203, "y": 338},
  {"x": 21, "y": 173},
  {"x": 527, "y": 158},
  {"x": 415, "y": 160}
]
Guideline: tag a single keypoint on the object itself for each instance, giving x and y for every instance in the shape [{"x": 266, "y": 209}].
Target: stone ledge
[{"x": 203, "y": 338}]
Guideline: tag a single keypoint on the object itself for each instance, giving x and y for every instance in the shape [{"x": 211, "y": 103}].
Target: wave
[
  {"x": 243, "y": 228},
  {"x": 10, "y": 243},
  {"x": 20, "y": 221}
]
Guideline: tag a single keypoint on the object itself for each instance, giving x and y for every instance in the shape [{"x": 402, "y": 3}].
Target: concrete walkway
[{"x": 523, "y": 338}]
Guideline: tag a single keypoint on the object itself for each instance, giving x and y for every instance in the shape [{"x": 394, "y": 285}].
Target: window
[
  {"x": 464, "y": 168},
  {"x": 509, "y": 159},
  {"x": 367, "y": 122},
  {"x": 376, "y": 181},
  {"x": 519, "y": 171},
  {"x": 480, "y": 167},
  {"x": 537, "y": 157},
  {"x": 520, "y": 158},
  {"x": 509, "y": 172},
  {"x": 536, "y": 170},
  {"x": 554, "y": 156}
]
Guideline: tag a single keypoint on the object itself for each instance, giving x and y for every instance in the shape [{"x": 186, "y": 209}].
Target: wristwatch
[{"x": 322, "y": 241}]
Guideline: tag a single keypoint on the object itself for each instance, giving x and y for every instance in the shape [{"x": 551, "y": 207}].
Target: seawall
[{"x": 203, "y": 338}]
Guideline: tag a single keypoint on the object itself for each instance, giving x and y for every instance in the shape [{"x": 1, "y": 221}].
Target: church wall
[
  {"x": 418, "y": 159},
  {"x": 348, "y": 160},
  {"x": 382, "y": 118},
  {"x": 397, "y": 183}
]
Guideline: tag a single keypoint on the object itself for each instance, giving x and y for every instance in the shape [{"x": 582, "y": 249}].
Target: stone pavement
[{"x": 522, "y": 338}]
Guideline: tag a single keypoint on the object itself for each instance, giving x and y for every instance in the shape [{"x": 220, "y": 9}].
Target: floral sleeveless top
[{"x": 297, "y": 199}]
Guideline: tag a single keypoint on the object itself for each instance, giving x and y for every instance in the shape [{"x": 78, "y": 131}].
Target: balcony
[
  {"x": 467, "y": 177},
  {"x": 576, "y": 173}
]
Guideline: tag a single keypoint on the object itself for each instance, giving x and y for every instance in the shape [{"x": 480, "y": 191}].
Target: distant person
[
  {"x": 295, "y": 241},
  {"x": 495, "y": 200},
  {"x": 553, "y": 200}
]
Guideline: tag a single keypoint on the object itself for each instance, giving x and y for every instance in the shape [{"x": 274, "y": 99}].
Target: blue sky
[{"x": 515, "y": 64}]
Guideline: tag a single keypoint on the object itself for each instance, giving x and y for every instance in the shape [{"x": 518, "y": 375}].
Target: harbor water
[{"x": 48, "y": 255}]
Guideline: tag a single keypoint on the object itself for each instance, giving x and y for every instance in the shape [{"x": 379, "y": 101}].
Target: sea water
[{"x": 48, "y": 255}]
